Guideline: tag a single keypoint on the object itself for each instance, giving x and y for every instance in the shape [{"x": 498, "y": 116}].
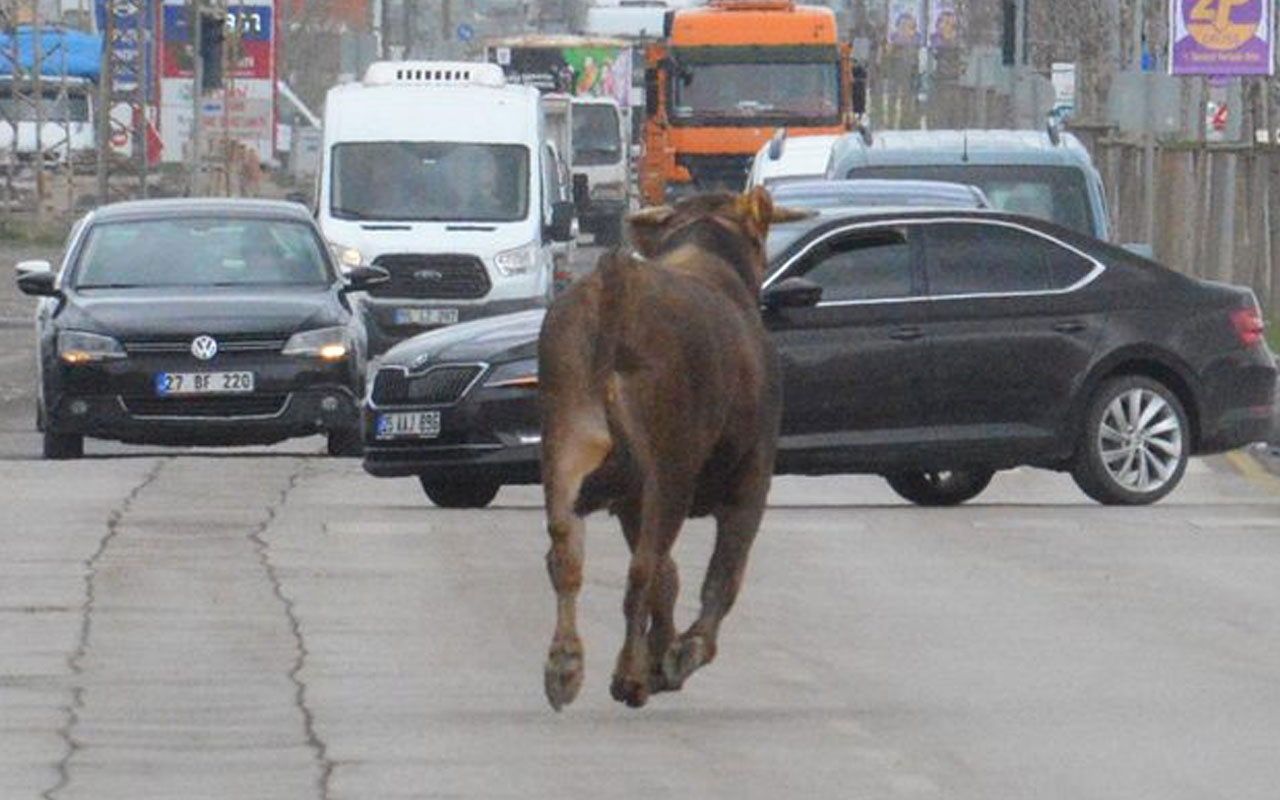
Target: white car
[{"x": 788, "y": 158}]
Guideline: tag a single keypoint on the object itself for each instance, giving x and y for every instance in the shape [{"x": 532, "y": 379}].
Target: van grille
[{"x": 432, "y": 277}]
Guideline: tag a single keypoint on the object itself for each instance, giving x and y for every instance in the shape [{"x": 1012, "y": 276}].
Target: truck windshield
[
  {"x": 784, "y": 90},
  {"x": 1057, "y": 194},
  {"x": 430, "y": 181},
  {"x": 597, "y": 138}
]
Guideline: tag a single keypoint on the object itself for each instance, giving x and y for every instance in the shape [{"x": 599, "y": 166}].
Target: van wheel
[
  {"x": 460, "y": 493},
  {"x": 62, "y": 446},
  {"x": 344, "y": 442},
  {"x": 946, "y": 488},
  {"x": 1135, "y": 443}
]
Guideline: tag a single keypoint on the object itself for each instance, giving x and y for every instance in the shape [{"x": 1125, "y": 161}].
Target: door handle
[
  {"x": 1069, "y": 326},
  {"x": 906, "y": 334}
]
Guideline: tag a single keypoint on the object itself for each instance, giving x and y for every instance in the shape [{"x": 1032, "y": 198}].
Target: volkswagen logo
[
  {"x": 204, "y": 347},
  {"x": 428, "y": 275}
]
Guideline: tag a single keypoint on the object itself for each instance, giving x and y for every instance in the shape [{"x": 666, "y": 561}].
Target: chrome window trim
[
  {"x": 411, "y": 373},
  {"x": 1090, "y": 277}
]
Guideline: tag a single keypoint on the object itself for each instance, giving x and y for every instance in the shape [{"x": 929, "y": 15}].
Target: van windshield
[
  {"x": 430, "y": 181},
  {"x": 597, "y": 138},
  {"x": 1056, "y": 194}
]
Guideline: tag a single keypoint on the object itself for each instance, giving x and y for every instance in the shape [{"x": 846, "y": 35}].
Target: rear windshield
[
  {"x": 1057, "y": 194},
  {"x": 201, "y": 251}
]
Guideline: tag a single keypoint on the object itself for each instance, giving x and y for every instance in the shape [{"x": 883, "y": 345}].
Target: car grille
[
  {"x": 435, "y": 277},
  {"x": 231, "y": 343},
  {"x": 258, "y": 405},
  {"x": 436, "y": 386},
  {"x": 717, "y": 172}
]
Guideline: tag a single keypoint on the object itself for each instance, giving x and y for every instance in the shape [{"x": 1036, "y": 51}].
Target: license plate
[
  {"x": 180, "y": 383},
  {"x": 409, "y": 424},
  {"x": 425, "y": 316}
]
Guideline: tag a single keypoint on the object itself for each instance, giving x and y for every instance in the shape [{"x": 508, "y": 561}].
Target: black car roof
[{"x": 201, "y": 206}]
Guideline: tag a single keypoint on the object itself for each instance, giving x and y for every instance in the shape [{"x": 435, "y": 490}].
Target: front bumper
[{"x": 118, "y": 400}]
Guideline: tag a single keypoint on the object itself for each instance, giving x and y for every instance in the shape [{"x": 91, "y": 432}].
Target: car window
[
  {"x": 864, "y": 265},
  {"x": 201, "y": 251},
  {"x": 984, "y": 258}
]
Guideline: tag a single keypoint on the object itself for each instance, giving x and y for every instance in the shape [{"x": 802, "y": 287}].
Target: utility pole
[
  {"x": 195, "y": 26},
  {"x": 37, "y": 88},
  {"x": 105, "y": 91}
]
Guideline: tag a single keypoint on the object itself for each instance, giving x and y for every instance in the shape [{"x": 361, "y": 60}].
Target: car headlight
[
  {"x": 521, "y": 374},
  {"x": 327, "y": 344},
  {"x": 519, "y": 261},
  {"x": 82, "y": 347}
]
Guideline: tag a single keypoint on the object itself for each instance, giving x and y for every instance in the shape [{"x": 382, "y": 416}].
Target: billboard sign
[
  {"x": 904, "y": 22},
  {"x": 132, "y": 43},
  {"x": 1222, "y": 37}
]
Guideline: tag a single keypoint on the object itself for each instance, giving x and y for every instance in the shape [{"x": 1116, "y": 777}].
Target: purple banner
[
  {"x": 1221, "y": 37},
  {"x": 944, "y": 26},
  {"x": 905, "y": 26}
]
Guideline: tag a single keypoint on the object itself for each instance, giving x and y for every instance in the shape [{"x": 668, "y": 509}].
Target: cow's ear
[
  {"x": 646, "y": 226},
  {"x": 756, "y": 207}
]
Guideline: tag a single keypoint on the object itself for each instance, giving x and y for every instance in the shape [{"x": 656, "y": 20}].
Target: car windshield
[
  {"x": 597, "y": 138},
  {"x": 430, "y": 181},
  {"x": 1056, "y": 194},
  {"x": 201, "y": 251},
  {"x": 785, "y": 89}
]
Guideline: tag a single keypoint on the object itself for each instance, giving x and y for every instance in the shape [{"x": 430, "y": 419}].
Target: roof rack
[{"x": 434, "y": 73}]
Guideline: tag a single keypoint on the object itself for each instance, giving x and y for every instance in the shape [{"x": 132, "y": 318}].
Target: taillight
[{"x": 1248, "y": 324}]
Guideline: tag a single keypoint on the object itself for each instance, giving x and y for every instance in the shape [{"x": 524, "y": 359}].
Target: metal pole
[
  {"x": 105, "y": 80},
  {"x": 37, "y": 88},
  {"x": 194, "y": 25}
]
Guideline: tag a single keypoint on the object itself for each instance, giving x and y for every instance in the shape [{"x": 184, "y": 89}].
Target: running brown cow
[{"x": 660, "y": 399}]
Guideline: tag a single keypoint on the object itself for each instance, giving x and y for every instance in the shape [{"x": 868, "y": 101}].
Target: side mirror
[
  {"x": 361, "y": 278},
  {"x": 39, "y": 284},
  {"x": 581, "y": 191},
  {"x": 27, "y": 267},
  {"x": 651, "y": 92},
  {"x": 561, "y": 227},
  {"x": 793, "y": 293}
]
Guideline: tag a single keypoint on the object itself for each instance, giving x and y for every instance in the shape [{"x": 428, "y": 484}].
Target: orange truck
[{"x": 725, "y": 77}]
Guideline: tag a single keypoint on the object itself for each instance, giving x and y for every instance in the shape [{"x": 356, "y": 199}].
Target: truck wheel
[{"x": 460, "y": 493}]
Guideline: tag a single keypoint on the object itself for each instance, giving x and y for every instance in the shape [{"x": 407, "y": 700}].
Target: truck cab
[{"x": 437, "y": 172}]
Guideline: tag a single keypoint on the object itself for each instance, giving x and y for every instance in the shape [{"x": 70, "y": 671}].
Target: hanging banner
[
  {"x": 905, "y": 26},
  {"x": 944, "y": 27},
  {"x": 1221, "y": 37}
]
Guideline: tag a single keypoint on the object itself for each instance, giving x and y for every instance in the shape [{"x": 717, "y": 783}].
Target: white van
[{"x": 435, "y": 171}]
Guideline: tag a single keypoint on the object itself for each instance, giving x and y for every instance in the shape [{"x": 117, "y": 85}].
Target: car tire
[
  {"x": 944, "y": 488},
  {"x": 62, "y": 446},
  {"x": 344, "y": 442},
  {"x": 460, "y": 494},
  {"x": 1135, "y": 443}
]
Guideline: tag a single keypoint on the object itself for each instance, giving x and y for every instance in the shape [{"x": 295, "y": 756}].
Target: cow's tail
[{"x": 618, "y": 269}]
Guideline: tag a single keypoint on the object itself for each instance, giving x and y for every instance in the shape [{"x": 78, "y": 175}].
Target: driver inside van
[{"x": 475, "y": 184}]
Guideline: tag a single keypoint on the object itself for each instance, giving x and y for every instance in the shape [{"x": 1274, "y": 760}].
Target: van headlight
[
  {"x": 326, "y": 344},
  {"x": 519, "y": 261},
  {"x": 82, "y": 347},
  {"x": 348, "y": 257}
]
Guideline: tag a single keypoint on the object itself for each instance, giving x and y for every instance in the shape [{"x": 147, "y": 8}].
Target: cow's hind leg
[
  {"x": 662, "y": 597},
  {"x": 736, "y": 527},
  {"x": 570, "y": 454}
]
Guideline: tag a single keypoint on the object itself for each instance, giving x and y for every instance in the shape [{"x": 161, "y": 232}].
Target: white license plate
[
  {"x": 425, "y": 316},
  {"x": 409, "y": 424},
  {"x": 179, "y": 383}
]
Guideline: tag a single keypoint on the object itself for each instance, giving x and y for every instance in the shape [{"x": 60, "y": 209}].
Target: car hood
[
  {"x": 143, "y": 313},
  {"x": 503, "y": 337}
]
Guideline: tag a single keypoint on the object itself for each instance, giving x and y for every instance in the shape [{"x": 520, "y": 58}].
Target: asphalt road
[{"x": 272, "y": 623}]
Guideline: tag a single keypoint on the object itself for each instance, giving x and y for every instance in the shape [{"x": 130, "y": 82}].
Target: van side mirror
[
  {"x": 651, "y": 91},
  {"x": 581, "y": 191},
  {"x": 561, "y": 227},
  {"x": 358, "y": 279}
]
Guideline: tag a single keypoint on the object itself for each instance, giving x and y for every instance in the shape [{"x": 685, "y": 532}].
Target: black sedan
[
  {"x": 197, "y": 322},
  {"x": 933, "y": 347}
]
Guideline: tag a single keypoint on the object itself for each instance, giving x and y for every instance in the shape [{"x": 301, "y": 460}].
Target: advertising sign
[
  {"x": 1222, "y": 37},
  {"x": 250, "y": 40},
  {"x": 944, "y": 26},
  {"x": 905, "y": 26},
  {"x": 132, "y": 43},
  {"x": 586, "y": 70}
]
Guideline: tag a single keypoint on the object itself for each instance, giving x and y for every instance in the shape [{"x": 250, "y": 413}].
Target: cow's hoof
[
  {"x": 683, "y": 658},
  {"x": 628, "y": 690},
  {"x": 562, "y": 676}
]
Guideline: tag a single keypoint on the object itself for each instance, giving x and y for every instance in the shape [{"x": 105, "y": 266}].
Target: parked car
[
  {"x": 199, "y": 322},
  {"x": 933, "y": 347},
  {"x": 881, "y": 192}
]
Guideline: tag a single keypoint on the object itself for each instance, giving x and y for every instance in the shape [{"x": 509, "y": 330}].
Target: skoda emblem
[
  {"x": 428, "y": 275},
  {"x": 204, "y": 347}
]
